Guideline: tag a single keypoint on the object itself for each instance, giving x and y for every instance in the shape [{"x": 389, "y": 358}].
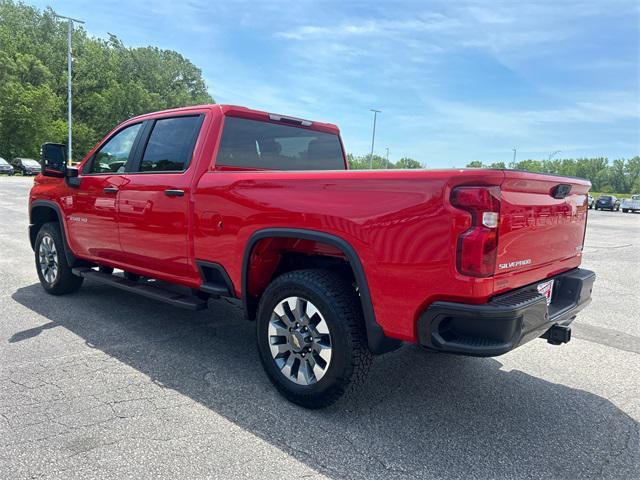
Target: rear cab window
[{"x": 261, "y": 145}]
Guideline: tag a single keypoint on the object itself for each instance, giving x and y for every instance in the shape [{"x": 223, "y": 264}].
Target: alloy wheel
[
  {"x": 300, "y": 341},
  {"x": 48, "y": 259}
]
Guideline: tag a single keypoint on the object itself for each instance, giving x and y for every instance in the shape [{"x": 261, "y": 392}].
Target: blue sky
[{"x": 456, "y": 80}]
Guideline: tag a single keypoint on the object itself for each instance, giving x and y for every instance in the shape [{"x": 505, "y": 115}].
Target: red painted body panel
[{"x": 401, "y": 224}]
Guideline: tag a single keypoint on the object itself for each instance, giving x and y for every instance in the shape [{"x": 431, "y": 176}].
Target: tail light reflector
[{"x": 478, "y": 246}]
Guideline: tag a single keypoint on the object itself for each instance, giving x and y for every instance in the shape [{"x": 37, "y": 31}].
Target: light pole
[
  {"x": 513, "y": 164},
  {"x": 373, "y": 136},
  {"x": 552, "y": 154},
  {"x": 69, "y": 60},
  {"x": 387, "y": 164}
]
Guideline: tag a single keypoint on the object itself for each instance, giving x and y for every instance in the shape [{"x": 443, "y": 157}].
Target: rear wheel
[
  {"x": 51, "y": 262},
  {"x": 311, "y": 337}
]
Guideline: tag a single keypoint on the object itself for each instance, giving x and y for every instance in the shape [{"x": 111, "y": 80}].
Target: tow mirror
[{"x": 54, "y": 160}]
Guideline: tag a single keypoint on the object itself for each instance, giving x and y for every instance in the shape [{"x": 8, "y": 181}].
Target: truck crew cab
[{"x": 333, "y": 265}]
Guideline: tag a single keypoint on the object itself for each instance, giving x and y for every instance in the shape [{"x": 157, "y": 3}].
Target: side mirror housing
[{"x": 54, "y": 160}]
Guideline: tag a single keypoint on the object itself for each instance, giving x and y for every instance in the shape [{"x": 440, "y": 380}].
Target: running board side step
[{"x": 179, "y": 300}]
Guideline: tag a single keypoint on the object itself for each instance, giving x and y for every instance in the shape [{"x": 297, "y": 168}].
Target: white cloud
[{"x": 426, "y": 22}]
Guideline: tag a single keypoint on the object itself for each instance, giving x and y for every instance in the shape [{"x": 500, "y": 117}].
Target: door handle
[
  {"x": 110, "y": 190},
  {"x": 174, "y": 193}
]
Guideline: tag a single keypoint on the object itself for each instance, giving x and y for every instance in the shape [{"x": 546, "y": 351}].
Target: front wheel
[
  {"x": 311, "y": 337},
  {"x": 625, "y": 210},
  {"x": 54, "y": 272}
]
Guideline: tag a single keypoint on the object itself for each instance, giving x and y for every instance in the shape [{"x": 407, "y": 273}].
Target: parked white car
[{"x": 631, "y": 204}]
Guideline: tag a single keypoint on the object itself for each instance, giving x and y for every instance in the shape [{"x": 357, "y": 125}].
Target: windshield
[
  {"x": 30, "y": 163},
  {"x": 3, "y": 161}
]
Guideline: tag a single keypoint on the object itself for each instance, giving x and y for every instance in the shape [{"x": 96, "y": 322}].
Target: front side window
[
  {"x": 3, "y": 161},
  {"x": 262, "y": 145},
  {"x": 113, "y": 156},
  {"x": 170, "y": 144}
]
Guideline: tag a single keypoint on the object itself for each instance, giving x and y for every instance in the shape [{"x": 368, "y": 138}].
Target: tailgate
[{"x": 542, "y": 226}]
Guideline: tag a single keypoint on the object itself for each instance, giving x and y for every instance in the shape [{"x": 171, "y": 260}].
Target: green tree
[
  {"x": 111, "y": 82},
  {"x": 621, "y": 176},
  {"x": 362, "y": 162},
  {"x": 406, "y": 162}
]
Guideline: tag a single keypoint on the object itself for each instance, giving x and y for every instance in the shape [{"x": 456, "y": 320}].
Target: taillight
[{"x": 478, "y": 246}]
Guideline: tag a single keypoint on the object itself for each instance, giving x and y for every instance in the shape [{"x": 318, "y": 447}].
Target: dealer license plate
[{"x": 546, "y": 289}]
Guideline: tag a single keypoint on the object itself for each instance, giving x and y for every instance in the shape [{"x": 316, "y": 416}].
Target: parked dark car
[
  {"x": 26, "y": 166},
  {"x": 5, "y": 168},
  {"x": 607, "y": 202}
]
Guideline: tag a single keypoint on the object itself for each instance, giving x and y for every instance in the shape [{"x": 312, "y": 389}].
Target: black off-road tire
[
  {"x": 64, "y": 281},
  {"x": 337, "y": 301}
]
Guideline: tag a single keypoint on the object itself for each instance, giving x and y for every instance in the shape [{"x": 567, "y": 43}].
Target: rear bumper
[{"x": 507, "y": 321}]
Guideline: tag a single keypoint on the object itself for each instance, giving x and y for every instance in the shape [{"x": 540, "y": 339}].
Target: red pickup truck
[{"x": 333, "y": 265}]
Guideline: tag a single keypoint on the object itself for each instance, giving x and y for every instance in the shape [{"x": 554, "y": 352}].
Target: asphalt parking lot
[{"x": 102, "y": 383}]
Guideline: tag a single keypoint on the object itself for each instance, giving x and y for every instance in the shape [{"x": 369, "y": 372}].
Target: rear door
[
  {"x": 542, "y": 226},
  {"x": 92, "y": 219},
  {"x": 154, "y": 202}
]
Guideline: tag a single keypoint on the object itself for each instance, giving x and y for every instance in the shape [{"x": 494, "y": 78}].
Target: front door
[
  {"x": 154, "y": 202},
  {"x": 91, "y": 208}
]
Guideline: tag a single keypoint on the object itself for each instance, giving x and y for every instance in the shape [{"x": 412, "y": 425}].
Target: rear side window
[
  {"x": 170, "y": 144},
  {"x": 254, "y": 144}
]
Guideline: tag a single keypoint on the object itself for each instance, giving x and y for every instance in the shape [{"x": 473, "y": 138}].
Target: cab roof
[{"x": 244, "y": 112}]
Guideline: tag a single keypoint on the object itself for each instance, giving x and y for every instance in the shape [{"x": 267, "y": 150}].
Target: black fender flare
[
  {"x": 378, "y": 342},
  {"x": 72, "y": 260}
]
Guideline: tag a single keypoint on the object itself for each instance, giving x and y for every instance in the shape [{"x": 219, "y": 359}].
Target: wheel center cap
[{"x": 298, "y": 341}]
